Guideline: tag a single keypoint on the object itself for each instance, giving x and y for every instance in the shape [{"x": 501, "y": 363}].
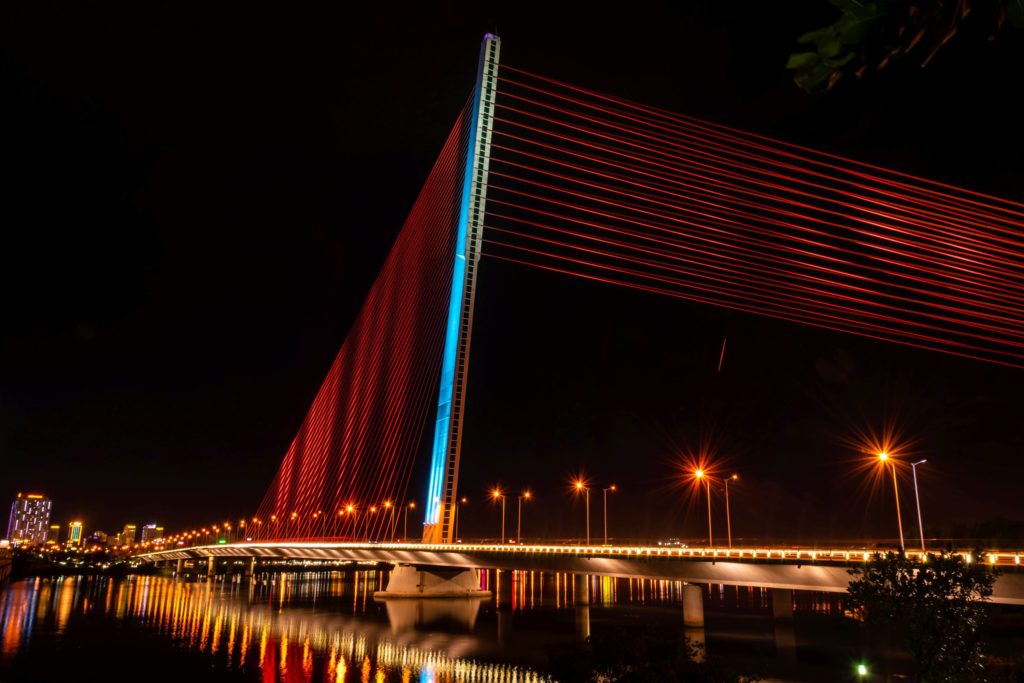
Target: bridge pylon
[{"x": 439, "y": 522}]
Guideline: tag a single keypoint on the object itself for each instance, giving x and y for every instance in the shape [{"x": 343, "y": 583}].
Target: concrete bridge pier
[
  {"x": 782, "y": 621},
  {"x": 581, "y": 589},
  {"x": 408, "y": 581},
  {"x": 693, "y": 618},
  {"x": 581, "y": 598},
  {"x": 179, "y": 567},
  {"x": 250, "y": 569},
  {"x": 782, "y": 604},
  {"x": 211, "y": 567},
  {"x": 693, "y": 606}
]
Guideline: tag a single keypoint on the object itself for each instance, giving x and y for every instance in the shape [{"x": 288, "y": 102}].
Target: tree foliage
[
  {"x": 936, "y": 609},
  {"x": 871, "y": 35}
]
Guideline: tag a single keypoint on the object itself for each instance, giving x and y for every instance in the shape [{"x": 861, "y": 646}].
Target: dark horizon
[{"x": 201, "y": 200}]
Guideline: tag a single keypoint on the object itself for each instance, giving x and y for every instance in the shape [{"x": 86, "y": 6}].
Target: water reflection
[
  {"x": 247, "y": 627},
  {"x": 326, "y": 626}
]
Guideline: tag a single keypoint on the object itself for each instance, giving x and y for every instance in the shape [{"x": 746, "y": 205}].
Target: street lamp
[
  {"x": 350, "y": 510},
  {"x": 701, "y": 475},
  {"x": 917, "y": 499},
  {"x": 883, "y": 457},
  {"x": 405, "y": 527},
  {"x": 373, "y": 510},
  {"x": 728, "y": 521},
  {"x": 604, "y": 492},
  {"x": 519, "y": 517},
  {"x": 388, "y": 506},
  {"x": 581, "y": 487},
  {"x": 458, "y": 515},
  {"x": 497, "y": 493}
]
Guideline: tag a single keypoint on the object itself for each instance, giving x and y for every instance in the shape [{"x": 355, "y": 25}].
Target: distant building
[
  {"x": 98, "y": 538},
  {"x": 152, "y": 532},
  {"x": 30, "y": 516},
  {"x": 53, "y": 535},
  {"x": 75, "y": 533},
  {"x": 128, "y": 535}
]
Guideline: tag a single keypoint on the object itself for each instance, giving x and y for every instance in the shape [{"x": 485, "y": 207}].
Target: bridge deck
[{"x": 794, "y": 568}]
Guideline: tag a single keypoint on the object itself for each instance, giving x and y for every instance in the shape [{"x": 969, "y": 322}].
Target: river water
[{"x": 327, "y": 627}]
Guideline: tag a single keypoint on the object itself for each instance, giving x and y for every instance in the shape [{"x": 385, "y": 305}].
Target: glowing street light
[
  {"x": 391, "y": 508},
  {"x": 604, "y": 492},
  {"x": 581, "y": 487},
  {"x": 458, "y": 515},
  {"x": 883, "y": 457},
  {"x": 728, "y": 521},
  {"x": 405, "y": 528},
  {"x": 700, "y": 475},
  {"x": 917, "y": 499},
  {"x": 519, "y": 521},
  {"x": 373, "y": 511},
  {"x": 497, "y": 493}
]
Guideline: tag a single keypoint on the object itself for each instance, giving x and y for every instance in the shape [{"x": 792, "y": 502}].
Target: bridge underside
[{"x": 829, "y": 576}]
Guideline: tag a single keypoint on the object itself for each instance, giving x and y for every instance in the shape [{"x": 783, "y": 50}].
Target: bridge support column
[
  {"x": 211, "y": 567},
  {"x": 250, "y": 569},
  {"x": 581, "y": 598},
  {"x": 693, "y": 606},
  {"x": 581, "y": 589},
  {"x": 179, "y": 567},
  {"x": 433, "y": 582},
  {"x": 782, "y": 604}
]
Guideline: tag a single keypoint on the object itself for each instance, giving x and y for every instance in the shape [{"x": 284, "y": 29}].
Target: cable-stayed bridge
[{"x": 557, "y": 177}]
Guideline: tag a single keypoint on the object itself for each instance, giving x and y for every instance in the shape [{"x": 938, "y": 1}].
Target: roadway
[{"x": 811, "y": 569}]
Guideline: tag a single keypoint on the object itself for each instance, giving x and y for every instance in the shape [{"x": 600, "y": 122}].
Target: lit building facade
[
  {"x": 128, "y": 535},
  {"x": 30, "y": 517},
  {"x": 75, "y": 533},
  {"x": 152, "y": 532}
]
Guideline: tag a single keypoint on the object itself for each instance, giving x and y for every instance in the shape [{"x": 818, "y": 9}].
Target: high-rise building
[
  {"x": 53, "y": 535},
  {"x": 128, "y": 535},
  {"x": 75, "y": 533},
  {"x": 152, "y": 532},
  {"x": 30, "y": 516}
]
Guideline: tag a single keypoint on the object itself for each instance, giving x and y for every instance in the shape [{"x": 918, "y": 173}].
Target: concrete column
[
  {"x": 250, "y": 569},
  {"x": 693, "y": 606},
  {"x": 180, "y": 567},
  {"x": 211, "y": 567},
  {"x": 582, "y": 622},
  {"x": 581, "y": 589},
  {"x": 782, "y": 604}
]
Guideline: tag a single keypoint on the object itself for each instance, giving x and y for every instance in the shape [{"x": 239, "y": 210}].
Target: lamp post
[
  {"x": 373, "y": 510},
  {"x": 604, "y": 492},
  {"x": 497, "y": 493},
  {"x": 458, "y": 515},
  {"x": 702, "y": 476},
  {"x": 917, "y": 499},
  {"x": 580, "y": 486},
  {"x": 391, "y": 508},
  {"x": 883, "y": 457},
  {"x": 350, "y": 510},
  {"x": 405, "y": 528},
  {"x": 519, "y": 515},
  {"x": 728, "y": 521}
]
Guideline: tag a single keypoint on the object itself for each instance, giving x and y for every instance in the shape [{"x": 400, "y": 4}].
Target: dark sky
[{"x": 195, "y": 200}]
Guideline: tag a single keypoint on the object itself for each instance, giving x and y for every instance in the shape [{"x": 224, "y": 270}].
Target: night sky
[{"x": 194, "y": 201}]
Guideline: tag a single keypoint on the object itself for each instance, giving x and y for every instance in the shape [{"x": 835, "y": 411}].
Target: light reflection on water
[
  {"x": 254, "y": 628},
  {"x": 326, "y": 626}
]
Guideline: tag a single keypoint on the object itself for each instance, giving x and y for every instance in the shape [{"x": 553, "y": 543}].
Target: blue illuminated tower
[{"x": 444, "y": 464}]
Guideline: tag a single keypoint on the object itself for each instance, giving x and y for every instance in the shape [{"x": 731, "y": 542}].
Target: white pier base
[{"x": 433, "y": 582}]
